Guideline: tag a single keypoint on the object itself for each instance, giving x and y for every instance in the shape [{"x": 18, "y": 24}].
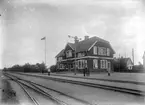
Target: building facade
[
  {"x": 94, "y": 53},
  {"x": 121, "y": 64},
  {"x": 144, "y": 60}
]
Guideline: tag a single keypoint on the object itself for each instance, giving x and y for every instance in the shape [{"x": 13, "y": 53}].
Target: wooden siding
[
  {"x": 66, "y": 49},
  {"x": 100, "y": 44}
]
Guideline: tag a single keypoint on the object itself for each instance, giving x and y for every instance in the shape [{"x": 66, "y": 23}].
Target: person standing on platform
[
  {"x": 108, "y": 71},
  {"x": 49, "y": 71},
  {"x": 84, "y": 71}
]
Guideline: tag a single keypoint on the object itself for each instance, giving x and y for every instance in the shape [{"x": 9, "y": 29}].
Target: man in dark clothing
[
  {"x": 48, "y": 71},
  {"x": 84, "y": 71},
  {"x": 108, "y": 71}
]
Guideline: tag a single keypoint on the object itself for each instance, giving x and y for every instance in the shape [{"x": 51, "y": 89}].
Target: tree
[
  {"x": 42, "y": 67},
  {"x": 53, "y": 68}
]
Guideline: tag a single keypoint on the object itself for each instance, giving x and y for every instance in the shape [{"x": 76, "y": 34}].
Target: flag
[{"x": 43, "y": 38}]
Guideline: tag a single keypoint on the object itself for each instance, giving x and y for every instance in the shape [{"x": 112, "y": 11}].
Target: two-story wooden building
[{"x": 94, "y": 52}]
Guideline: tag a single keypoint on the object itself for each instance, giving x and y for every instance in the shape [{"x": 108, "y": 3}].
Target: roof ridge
[{"x": 101, "y": 39}]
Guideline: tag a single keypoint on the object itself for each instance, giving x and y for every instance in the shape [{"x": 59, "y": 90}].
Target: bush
[
  {"x": 53, "y": 68},
  {"x": 39, "y": 67}
]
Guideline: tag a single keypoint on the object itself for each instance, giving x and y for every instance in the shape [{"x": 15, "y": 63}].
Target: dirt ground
[{"x": 8, "y": 95}]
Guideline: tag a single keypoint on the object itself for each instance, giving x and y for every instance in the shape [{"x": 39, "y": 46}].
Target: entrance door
[{"x": 109, "y": 66}]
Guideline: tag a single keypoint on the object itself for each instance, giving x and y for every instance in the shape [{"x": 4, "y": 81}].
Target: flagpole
[{"x": 45, "y": 51}]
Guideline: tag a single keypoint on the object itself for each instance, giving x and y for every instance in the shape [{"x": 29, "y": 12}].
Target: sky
[{"x": 24, "y": 22}]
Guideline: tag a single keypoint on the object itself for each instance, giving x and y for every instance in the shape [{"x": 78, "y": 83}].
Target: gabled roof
[
  {"x": 85, "y": 45},
  {"x": 61, "y": 53},
  {"x": 143, "y": 55},
  {"x": 72, "y": 45},
  {"x": 124, "y": 60}
]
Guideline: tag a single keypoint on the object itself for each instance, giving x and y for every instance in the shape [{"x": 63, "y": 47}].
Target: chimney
[
  {"x": 86, "y": 37},
  {"x": 76, "y": 39}
]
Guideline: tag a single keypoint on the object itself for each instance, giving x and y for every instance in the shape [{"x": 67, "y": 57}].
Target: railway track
[
  {"x": 113, "y": 88},
  {"x": 41, "y": 89},
  {"x": 35, "y": 102}
]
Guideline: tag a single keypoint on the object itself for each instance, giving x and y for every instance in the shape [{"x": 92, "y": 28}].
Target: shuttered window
[
  {"x": 108, "y": 52},
  {"x": 95, "y": 64},
  {"x": 95, "y": 50},
  {"x": 104, "y": 64},
  {"x": 82, "y": 64}
]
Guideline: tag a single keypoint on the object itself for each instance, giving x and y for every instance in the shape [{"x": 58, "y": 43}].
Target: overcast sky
[{"x": 24, "y": 22}]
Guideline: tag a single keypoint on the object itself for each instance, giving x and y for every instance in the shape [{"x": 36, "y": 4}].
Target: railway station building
[{"x": 95, "y": 53}]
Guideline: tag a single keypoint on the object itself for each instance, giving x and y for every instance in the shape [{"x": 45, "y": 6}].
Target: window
[
  {"x": 69, "y": 53},
  {"x": 61, "y": 66},
  {"x": 76, "y": 64},
  {"x": 59, "y": 58},
  {"x": 108, "y": 52},
  {"x": 102, "y": 51},
  {"x": 95, "y": 63},
  {"x": 86, "y": 63},
  {"x": 95, "y": 49},
  {"x": 81, "y": 54},
  {"x": 82, "y": 64},
  {"x": 104, "y": 64}
]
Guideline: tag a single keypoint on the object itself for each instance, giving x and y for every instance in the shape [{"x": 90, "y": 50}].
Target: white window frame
[
  {"x": 95, "y": 63},
  {"x": 95, "y": 50},
  {"x": 59, "y": 58},
  {"x": 81, "y": 55},
  {"x": 86, "y": 64},
  {"x": 103, "y": 64},
  {"x": 61, "y": 66},
  {"x": 82, "y": 64},
  {"x": 102, "y": 51},
  {"x": 108, "y": 52},
  {"x": 99, "y": 50}
]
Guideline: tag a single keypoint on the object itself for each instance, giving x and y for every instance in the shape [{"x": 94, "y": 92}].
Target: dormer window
[
  {"x": 69, "y": 53},
  {"x": 59, "y": 58},
  {"x": 81, "y": 55},
  {"x": 95, "y": 50},
  {"x": 102, "y": 51}
]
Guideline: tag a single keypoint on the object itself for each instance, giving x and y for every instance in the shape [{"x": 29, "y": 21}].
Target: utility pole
[
  {"x": 133, "y": 56},
  {"x": 75, "y": 39},
  {"x": 119, "y": 62},
  {"x": 45, "y": 51},
  {"x": 44, "y": 38}
]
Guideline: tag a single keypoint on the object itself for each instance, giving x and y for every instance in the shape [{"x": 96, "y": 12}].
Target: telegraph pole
[
  {"x": 45, "y": 51},
  {"x": 119, "y": 62},
  {"x": 133, "y": 56},
  {"x": 75, "y": 38},
  {"x": 44, "y": 38}
]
